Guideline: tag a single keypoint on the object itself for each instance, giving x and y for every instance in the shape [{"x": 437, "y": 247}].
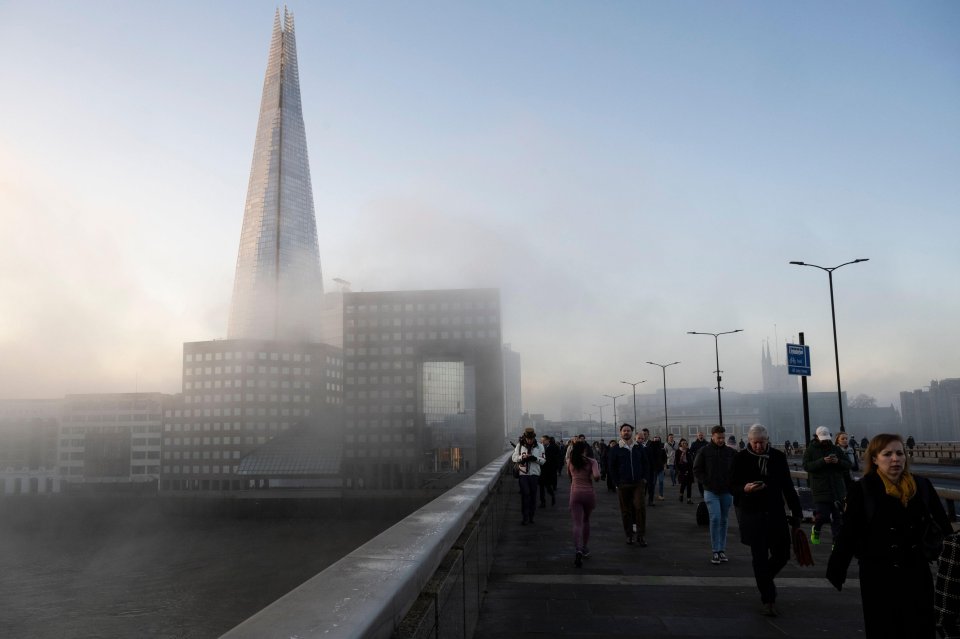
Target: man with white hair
[{"x": 760, "y": 482}]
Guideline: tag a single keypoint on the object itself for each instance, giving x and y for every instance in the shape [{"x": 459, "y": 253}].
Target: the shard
[{"x": 278, "y": 283}]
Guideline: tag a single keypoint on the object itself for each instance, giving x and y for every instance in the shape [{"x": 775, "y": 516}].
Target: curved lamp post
[
  {"x": 833, "y": 314},
  {"x": 666, "y": 427},
  {"x": 613, "y": 399},
  {"x": 716, "y": 344}
]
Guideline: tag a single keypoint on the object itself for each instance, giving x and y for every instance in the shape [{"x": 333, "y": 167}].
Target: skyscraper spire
[{"x": 278, "y": 282}]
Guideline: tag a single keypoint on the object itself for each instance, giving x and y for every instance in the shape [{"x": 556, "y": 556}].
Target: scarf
[
  {"x": 683, "y": 456},
  {"x": 904, "y": 490},
  {"x": 762, "y": 459}
]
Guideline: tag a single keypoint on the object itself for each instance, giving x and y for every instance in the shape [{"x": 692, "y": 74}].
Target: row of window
[
  {"x": 433, "y": 320},
  {"x": 250, "y": 370},
  {"x": 420, "y": 307},
  {"x": 251, "y": 383},
  {"x": 216, "y": 426},
  {"x": 251, "y": 412},
  {"x": 197, "y": 470},
  {"x": 135, "y": 441},
  {"x": 419, "y": 336},
  {"x": 375, "y": 438},
  {"x": 375, "y": 380},
  {"x": 227, "y": 441},
  {"x": 380, "y": 394},
  {"x": 206, "y": 454},
  {"x": 262, "y": 355},
  {"x": 394, "y": 364},
  {"x": 145, "y": 417},
  {"x": 377, "y": 452},
  {"x": 247, "y": 397}
]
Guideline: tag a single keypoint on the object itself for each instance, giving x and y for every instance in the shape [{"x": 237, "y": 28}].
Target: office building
[
  {"x": 239, "y": 395},
  {"x": 29, "y": 429},
  {"x": 423, "y": 385}
]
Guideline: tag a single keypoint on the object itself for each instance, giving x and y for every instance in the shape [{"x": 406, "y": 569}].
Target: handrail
[{"x": 368, "y": 592}]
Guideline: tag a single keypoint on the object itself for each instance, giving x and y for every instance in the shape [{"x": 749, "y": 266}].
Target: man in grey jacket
[{"x": 713, "y": 467}]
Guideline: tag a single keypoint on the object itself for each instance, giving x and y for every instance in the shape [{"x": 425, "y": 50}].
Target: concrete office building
[
  {"x": 423, "y": 385},
  {"x": 29, "y": 430},
  {"x": 111, "y": 441},
  {"x": 239, "y": 395},
  {"x": 932, "y": 414}
]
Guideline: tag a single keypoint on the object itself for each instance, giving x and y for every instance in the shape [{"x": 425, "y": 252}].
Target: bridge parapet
[{"x": 437, "y": 558}]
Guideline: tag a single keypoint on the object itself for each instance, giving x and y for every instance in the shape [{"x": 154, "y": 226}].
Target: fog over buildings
[{"x": 622, "y": 174}]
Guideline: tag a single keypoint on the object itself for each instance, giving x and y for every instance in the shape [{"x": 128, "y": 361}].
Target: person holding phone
[
  {"x": 760, "y": 483},
  {"x": 826, "y": 467}
]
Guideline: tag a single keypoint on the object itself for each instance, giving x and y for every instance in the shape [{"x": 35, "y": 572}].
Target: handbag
[{"x": 516, "y": 470}]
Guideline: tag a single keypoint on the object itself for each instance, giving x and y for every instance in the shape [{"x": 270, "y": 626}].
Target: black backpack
[{"x": 703, "y": 515}]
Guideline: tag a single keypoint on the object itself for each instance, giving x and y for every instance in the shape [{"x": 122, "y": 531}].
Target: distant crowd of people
[{"x": 891, "y": 520}]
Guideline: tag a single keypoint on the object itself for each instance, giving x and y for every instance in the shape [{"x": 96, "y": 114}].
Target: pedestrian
[
  {"x": 683, "y": 463},
  {"x": 695, "y": 447},
  {"x": 761, "y": 484},
  {"x": 946, "y": 593},
  {"x": 529, "y": 457},
  {"x": 657, "y": 455},
  {"x": 629, "y": 468},
  {"x": 826, "y": 466},
  {"x": 842, "y": 440},
  {"x": 671, "y": 447},
  {"x": 583, "y": 471},
  {"x": 889, "y": 514},
  {"x": 712, "y": 467},
  {"x": 608, "y": 466},
  {"x": 548, "y": 474}
]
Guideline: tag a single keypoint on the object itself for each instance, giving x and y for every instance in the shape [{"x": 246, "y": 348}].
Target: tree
[{"x": 863, "y": 401}]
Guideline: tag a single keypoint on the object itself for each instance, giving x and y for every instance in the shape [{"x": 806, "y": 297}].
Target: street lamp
[
  {"x": 634, "y": 384},
  {"x": 716, "y": 344},
  {"x": 833, "y": 314},
  {"x": 666, "y": 427},
  {"x": 601, "y": 418},
  {"x": 613, "y": 398}
]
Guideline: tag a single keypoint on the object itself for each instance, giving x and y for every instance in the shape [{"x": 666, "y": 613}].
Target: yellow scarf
[{"x": 904, "y": 490}]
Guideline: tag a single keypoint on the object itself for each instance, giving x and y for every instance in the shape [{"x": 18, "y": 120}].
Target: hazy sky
[{"x": 623, "y": 171}]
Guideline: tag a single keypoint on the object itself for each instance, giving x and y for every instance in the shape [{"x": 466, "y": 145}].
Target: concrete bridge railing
[
  {"x": 950, "y": 496},
  {"x": 433, "y": 565}
]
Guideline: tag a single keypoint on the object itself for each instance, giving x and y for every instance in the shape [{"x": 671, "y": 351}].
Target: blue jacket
[{"x": 629, "y": 465}]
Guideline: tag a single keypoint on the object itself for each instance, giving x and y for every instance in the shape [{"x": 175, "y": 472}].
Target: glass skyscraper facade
[{"x": 278, "y": 283}]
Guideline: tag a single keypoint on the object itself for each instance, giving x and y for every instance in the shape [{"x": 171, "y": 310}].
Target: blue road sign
[{"x": 798, "y": 359}]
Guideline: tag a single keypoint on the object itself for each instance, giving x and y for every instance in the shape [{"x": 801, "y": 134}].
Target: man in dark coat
[
  {"x": 712, "y": 467},
  {"x": 629, "y": 467},
  {"x": 760, "y": 483},
  {"x": 826, "y": 465},
  {"x": 548, "y": 476},
  {"x": 695, "y": 447}
]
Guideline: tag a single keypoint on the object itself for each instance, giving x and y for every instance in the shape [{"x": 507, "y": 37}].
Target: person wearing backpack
[
  {"x": 826, "y": 467},
  {"x": 891, "y": 523}
]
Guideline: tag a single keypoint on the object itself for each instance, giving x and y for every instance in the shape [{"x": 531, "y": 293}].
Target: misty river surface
[{"x": 129, "y": 573}]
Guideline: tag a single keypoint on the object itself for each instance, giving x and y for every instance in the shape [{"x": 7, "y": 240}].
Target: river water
[{"x": 133, "y": 572}]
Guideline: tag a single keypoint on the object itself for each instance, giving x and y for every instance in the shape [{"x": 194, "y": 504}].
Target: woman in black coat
[{"x": 883, "y": 526}]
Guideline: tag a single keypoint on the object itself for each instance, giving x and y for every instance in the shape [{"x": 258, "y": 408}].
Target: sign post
[{"x": 798, "y": 363}]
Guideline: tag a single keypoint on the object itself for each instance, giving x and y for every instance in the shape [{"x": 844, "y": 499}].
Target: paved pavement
[{"x": 668, "y": 589}]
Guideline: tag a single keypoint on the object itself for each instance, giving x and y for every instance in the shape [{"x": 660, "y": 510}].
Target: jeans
[
  {"x": 673, "y": 475},
  {"x": 658, "y": 479},
  {"x": 718, "y": 505},
  {"x": 528, "y": 496}
]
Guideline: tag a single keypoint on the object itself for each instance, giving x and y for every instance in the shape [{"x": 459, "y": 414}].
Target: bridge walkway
[{"x": 668, "y": 589}]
